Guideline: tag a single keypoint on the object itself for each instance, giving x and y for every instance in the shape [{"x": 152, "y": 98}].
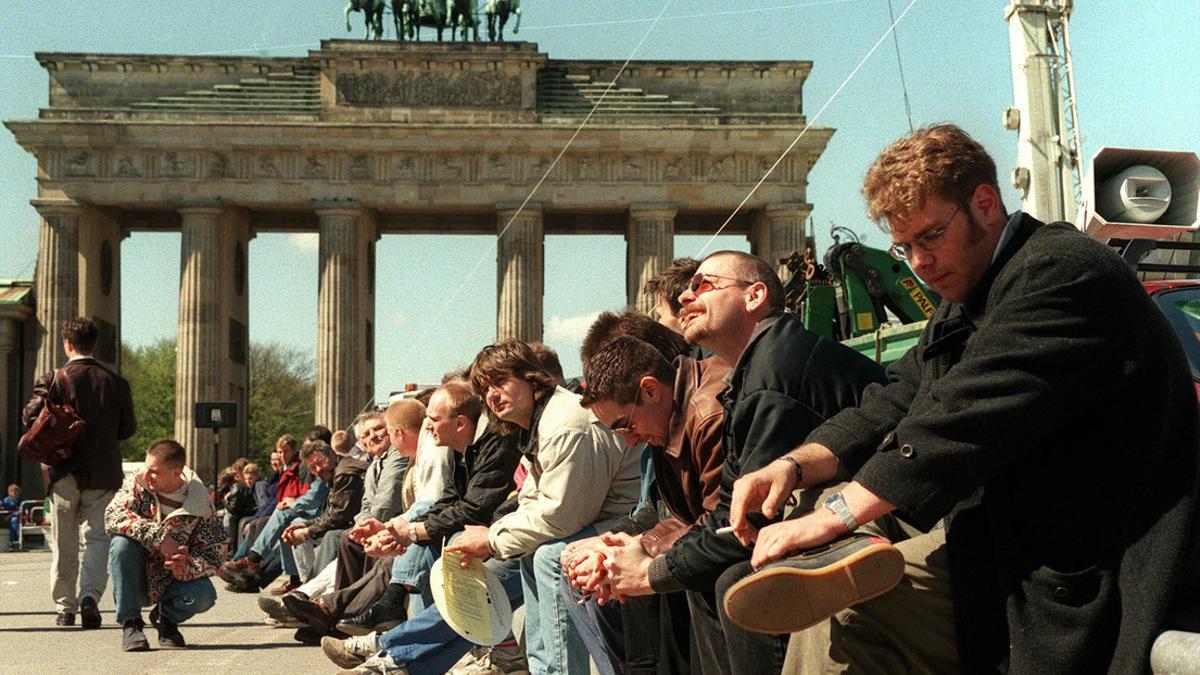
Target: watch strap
[{"x": 837, "y": 504}]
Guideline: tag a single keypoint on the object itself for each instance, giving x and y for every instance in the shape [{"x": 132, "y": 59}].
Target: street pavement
[{"x": 229, "y": 638}]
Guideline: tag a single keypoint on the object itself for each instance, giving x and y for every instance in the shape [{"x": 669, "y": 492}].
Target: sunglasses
[
  {"x": 626, "y": 425},
  {"x": 703, "y": 283}
]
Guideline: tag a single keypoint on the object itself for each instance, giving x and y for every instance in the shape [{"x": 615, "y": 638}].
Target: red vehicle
[{"x": 1180, "y": 302}]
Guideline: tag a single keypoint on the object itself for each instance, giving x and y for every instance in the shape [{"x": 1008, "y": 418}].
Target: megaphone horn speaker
[{"x": 1140, "y": 194}]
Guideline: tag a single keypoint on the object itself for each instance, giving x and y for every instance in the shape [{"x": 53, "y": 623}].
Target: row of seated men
[{"x": 640, "y": 522}]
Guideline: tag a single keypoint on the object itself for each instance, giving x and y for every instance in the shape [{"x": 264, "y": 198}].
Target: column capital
[
  {"x": 337, "y": 206},
  {"x": 653, "y": 210},
  {"x": 531, "y": 207},
  {"x": 788, "y": 209},
  {"x": 213, "y": 209},
  {"x": 56, "y": 207}
]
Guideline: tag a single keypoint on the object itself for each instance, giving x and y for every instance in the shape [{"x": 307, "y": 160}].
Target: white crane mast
[{"x": 1043, "y": 114}]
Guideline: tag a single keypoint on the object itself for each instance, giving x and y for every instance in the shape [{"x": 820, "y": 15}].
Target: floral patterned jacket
[{"x": 134, "y": 513}]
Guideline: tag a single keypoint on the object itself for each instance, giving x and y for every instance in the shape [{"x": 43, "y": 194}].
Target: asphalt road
[{"x": 230, "y": 638}]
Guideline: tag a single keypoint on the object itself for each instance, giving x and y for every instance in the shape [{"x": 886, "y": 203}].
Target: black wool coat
[{"x": 1052, "y": 416}]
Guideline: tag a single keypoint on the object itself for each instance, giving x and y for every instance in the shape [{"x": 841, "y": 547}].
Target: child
[{"x": 13, "y": 503}]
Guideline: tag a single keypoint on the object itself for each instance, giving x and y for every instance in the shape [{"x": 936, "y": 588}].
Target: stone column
[
  {"x": 344, "y": 312},
  {"x": 198, "y": 345},
  {"x": 100, "y": 240},
  {"x": 56, "y": 282},
  {"x": 519, "y": 272},
  {"x": 778, "y": 231},
  {"x": 12, "y": 319},
  {"x": 649, "y": 248}
]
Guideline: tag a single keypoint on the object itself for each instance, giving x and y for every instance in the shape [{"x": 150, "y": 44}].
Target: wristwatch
[
  {"x": 837, "y": 504},
  {"x": 412, "y": 532}
]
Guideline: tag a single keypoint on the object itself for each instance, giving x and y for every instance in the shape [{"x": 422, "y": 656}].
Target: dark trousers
[
  {"x": 358, "y": 595},
  {"x": 750, "y": 653},
  {"x": 657, "y": 634}
]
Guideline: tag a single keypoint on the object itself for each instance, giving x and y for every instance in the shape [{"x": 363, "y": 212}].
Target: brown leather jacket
[
  {"x": 103, "y": 400},
  {"x": 688, "y": 471}
]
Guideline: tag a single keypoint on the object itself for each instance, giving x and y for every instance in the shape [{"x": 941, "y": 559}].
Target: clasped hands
[
  {"x": 611, "y": 566},
  {"x": 380, "y": 539}
]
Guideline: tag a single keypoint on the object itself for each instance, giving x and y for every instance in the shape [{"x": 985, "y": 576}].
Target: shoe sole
[
  {"x": 139, "y": 647},
  {"x": 339, "y": 657},
  {"x": 276, "y": 610},
  {"x": 786, "y": 599},
  {"x": 170, "y": 645},
  {"x": 356, "y": 630}
]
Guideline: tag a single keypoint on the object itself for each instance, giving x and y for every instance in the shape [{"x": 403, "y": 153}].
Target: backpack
[{"x": 51, "y": 438}]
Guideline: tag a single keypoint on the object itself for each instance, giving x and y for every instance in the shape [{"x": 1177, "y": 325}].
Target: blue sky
[{"x": 1137, "y": 74}]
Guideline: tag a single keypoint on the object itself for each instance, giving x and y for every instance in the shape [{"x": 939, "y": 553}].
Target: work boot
[
  {"x": 169, "y": 636},
  {"x": 793, "y": 594},
  {"x": 313, "y": 613},
  {"x": 378, "y": 618},
  {"x": 89, "y": 613},
  {"x": 351, "y": 652},
  {"x": 64, "y": 619},
  {"x": 275, "y": 609},
  {"x": 132, "y": 637},
  {"x": 377, "y": 665}
]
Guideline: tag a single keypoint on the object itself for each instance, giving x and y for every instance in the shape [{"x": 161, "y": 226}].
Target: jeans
[
  {"x": 599, "y": 627},
  {"x": 427, "y": 644},
  {"x": 552, "y": 642},
  {"x": 411, "y": 569},
  {"x": 293, "y": 558},
  {"x": 179, "y": 602},
  {"x": 73, "y": 511},
  {"x": 276, "y": 524},
  {"x": 749, "y": 652}
]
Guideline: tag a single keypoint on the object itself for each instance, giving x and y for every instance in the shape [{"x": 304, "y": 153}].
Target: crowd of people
[{"x": 724, "y": 491}]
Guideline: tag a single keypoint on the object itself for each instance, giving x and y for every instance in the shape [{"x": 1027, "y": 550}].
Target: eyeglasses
[
  {"x": 702, "y": 283},
  {"x": 928, "y": 241},
  {"x": 627, "y": 425}
]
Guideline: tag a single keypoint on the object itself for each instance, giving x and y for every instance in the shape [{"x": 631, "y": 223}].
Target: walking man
[{"x": 81, "y": 488}]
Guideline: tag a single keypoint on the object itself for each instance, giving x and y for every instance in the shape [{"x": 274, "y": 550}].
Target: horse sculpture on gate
[
  {"x": 497, "y": 12},
  {"x": 463, "y": 13},
  {"x": 372, "y": 16}
]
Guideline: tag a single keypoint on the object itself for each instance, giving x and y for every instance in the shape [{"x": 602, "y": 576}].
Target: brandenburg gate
[{"x": 360, "y": 139}]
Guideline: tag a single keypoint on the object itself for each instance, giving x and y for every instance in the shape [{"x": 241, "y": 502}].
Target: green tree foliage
[
  {"x": 282, "y": 394},
  {"x": 150, "y": 370},
  {"x": 282, "y": 397}
]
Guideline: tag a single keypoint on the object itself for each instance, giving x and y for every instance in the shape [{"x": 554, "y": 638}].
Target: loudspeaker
[{"x": 1130, "y": 193}]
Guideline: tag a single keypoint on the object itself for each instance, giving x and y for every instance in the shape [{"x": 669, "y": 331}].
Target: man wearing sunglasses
[
  {"x": 786, "y": 381},
  {"x": 1047, "y": 414}
]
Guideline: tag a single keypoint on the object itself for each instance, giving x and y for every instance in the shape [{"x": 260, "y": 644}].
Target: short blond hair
[
  {"x": 405, "y": 414},
  {"x": 941, "y": 160},
  {"x": 251, "y": 468}
]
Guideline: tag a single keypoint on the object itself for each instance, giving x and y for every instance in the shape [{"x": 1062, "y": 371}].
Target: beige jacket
[{"x": 582, "y": 475}]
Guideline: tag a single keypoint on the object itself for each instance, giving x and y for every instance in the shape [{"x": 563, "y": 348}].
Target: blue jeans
[
  {"x": 552, "y": 642},
  {"x": 14, "y": 528},
  {"x": 599, "y": 627},
  {"x": 276, "y": 524},
  {"x": 411, "y": 569},
  {"x": 179, "y": 602},
  {"x": 427, "y": 644}
]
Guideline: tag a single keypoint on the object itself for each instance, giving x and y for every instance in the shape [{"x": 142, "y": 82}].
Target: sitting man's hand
[
  {"x": 626, "y": 566},
  {"x": 579, "y": 549},
  {"x": 365, "y": 530},
  {"x": 765, "y": 491},
  {"x": 286, "y": 503},
  {"x": 295, "y": 534},
  {"x": 472, "y": 543},
  {"x": 383, "y": 544}
]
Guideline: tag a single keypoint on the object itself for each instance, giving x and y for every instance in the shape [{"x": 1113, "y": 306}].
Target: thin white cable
[
  {"x": 495, "y": 242},
  {"x": 807, "y": 126}
]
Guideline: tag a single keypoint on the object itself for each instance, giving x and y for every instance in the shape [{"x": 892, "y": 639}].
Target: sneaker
[
  {"x": 169, "y": 636},
  {"x": 132, "y": 637},
  {"x": 240, "y": 565},
  {"x": 351, "y": 652},
  {"x": 377, "y": 618},
  {"x": 793, "y": 594},
  {"x": 274, "y": 608},
  {"x": 507, "y": 658},
  {"x": 313, "y": 613},
  {"x": 64, "y": 619},
  {"x": 284, "y": 623},
  {"x": 89, "y": 613},
  {"x": 380, "y": 664}
]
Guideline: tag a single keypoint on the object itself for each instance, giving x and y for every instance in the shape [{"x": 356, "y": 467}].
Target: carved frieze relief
[
  {"x": 426, "y": 89},
  {"x": 483, "y": 167}
]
